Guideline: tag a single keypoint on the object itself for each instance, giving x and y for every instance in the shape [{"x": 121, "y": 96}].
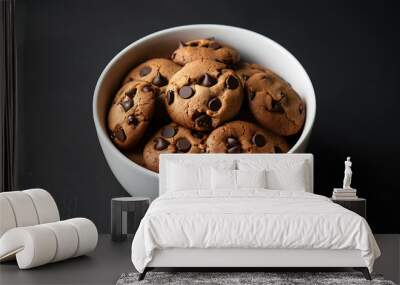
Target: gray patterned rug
[{"x": 232, "y": 278}]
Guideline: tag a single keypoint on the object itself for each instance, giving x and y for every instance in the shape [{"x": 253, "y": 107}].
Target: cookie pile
[{"x": 203, "y": 99}]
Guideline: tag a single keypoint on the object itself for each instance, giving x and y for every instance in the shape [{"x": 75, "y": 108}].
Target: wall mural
[{"x": 201, "y": 97}]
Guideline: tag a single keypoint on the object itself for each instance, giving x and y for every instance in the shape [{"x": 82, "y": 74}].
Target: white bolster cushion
[
  {"x": 23, "y": 208},
  {"x": 87, "y": 235},
  {"x": 67, "y": 240},
  {"x": 7, "y": 219},
  {"x": 26, "y": 208},
  {"x": 32, "y": 246},
  {"x": 40, "y": 244},
  {"x": 45, "y": 205}
]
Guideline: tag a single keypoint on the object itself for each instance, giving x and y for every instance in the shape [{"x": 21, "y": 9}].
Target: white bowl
[{"x": 253, "y": 47}]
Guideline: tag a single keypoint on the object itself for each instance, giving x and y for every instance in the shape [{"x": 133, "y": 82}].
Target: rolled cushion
[
  {"x": 67, "y": 240},
  {"x": 23, "y": 208},
  {"x": 26, "y": 208},
  {"x": 7, "y": 218},
  {"x": 87, "y": 233},
  {"x": 33, "y": 246},
  {"x": 40, "y": 244},
  {"x": 45, "y": 205}
]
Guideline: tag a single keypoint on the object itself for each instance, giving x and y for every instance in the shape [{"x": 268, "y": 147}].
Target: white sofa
[{"x": 31, "y": 231}]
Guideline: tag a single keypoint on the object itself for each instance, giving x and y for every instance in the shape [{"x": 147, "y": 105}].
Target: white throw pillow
[
  {"x": 223, "y": 179},
  {"x": 251, "y": 178},
  {"x": 292, "y": 179},
  {"x": 281, "y": 175},
  {"x": 182, "y": 177},
  {"x": 188, "y": 176}
]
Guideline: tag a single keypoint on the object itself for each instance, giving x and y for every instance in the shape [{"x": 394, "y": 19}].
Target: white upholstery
[
  {"x": 87, "y": 235},
  {"x": 31, "y": 231},
  {"x": 23, "y": 208},
  {"x": 45, "y": 205},
  {"x": 66, "y": 237},
  {"x": 7, "y": 219},
  {"x": 31, "y": 246},
  {"x": 37, "y": 245},
  {"x": 26, "y": 208},
  {"x": 257, "y": 161}
]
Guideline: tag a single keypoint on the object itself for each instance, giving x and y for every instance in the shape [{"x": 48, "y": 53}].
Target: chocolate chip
[
  {"x": 197, "y": 134},
  {"x": 301, "y": 108},
  {"x": 234, "y": 149},
  {"x": 168, "y": 132},
  {"x": 160, "y": 80},
  {"x": 214, "y": 104},
  {"x": 186, "y": 92},
  {"x": 160, "y": 144},
  {"x": 145, "y": 70},
  {"x": 183, "y": 145},
  {"x": 195, "y": 115},
  {"x": 127, "y": 103},
  {"x": 120, "y": 134},
  {"x": 231, "y": 82},
  {"x": 131, "y": 93},
  {"x": 147, "y": 88},
  {"x": 207, "y": 80},
  {"x": 214, "y": 45},
  {"x": 259, "y": 140},
  {"x": 277, "y": 149},
  {"x": 203, "y": 121},
  {"x": 283, "y": 97},
  {"x": 252, "y": 94},
  {"x": 277, "y": 107},
  {"x": 132, "y": 120},
  {"x": 232, "y": 142},
  {"x": 170, "y": 97}
]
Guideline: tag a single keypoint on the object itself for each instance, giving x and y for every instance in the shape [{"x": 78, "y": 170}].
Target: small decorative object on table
[
  {"x": 346, "y": 193},
  {"x": 347, "y": 196},
  {"x": 120, "y": 209}
]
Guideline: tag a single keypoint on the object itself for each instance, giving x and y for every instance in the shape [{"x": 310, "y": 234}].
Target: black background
[{"x": 350, "y": 49}]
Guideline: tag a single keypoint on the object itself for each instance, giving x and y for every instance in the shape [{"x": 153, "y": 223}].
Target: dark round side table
[{"x": 126, "y": 214}]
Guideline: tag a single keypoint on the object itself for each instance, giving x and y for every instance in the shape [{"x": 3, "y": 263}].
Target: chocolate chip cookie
[
  {"x": 244, "y": 137},
  {"x": 157, "y": 71},
  {"x": 274, "y": 103},
  {"x": 204, "y": 49},
  {"x": 130, "y": 113},
  {"x": 203, "y": 95},
  {"x": 246, "y": 70},
  {"x": 172, "y": 139}
]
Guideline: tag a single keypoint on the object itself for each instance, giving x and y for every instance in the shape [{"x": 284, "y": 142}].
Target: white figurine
[{"x": 347, "y": 174}]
